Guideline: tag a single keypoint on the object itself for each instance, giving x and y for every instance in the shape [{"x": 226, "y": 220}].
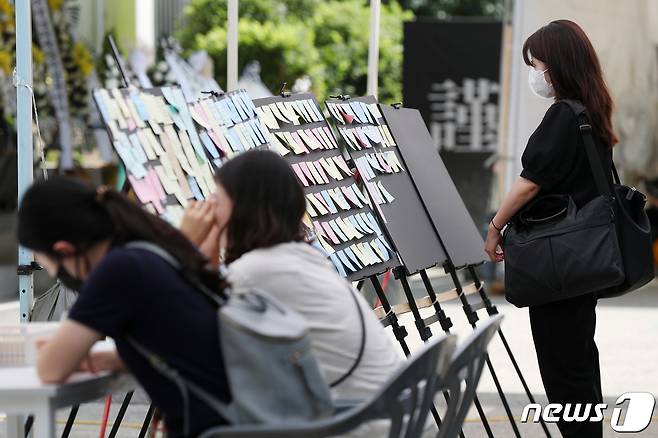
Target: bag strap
[
  {"x": 160, "y": 365},
  {"x": 593, "y": 156},
  {"x": 362, "y": 347},
  {"x": 595, "y": 162},
  {"x": 157, "y": 250}
]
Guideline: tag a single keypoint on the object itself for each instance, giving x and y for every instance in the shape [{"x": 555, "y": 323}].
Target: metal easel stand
[
  {"x": 492, "y": 310},
  {"x": 422, "y": 325},
  {"x": 400, "y": 333}
]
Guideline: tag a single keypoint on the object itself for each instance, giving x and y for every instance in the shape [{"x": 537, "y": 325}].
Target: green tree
[{"x": 326, "y": 40}]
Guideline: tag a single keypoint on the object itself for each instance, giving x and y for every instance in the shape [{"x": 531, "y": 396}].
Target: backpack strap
[
  {"x": 161, "y": 366},
  {"x": 595, "y": 162},
  {"x": 157, "y": 250},
  {"x": 362, "y": 347}
]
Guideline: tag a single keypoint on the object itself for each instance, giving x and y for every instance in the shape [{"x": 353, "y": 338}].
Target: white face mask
[{"x": 539, "y": 85}]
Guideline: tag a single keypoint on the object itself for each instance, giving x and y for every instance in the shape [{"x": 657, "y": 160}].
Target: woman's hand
[
  {"x": 210, "y": 246},
  {"x": 198, "y": 221},
  {"x": 493, "y": 246}
]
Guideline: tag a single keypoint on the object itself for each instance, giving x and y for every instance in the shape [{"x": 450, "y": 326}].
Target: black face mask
[{"x": 69, "y": 280}]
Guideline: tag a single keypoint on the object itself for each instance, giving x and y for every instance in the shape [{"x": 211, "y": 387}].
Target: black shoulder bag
[{"x": 555, "y": 251}]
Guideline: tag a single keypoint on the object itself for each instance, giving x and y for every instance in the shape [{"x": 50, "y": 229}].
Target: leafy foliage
[{"x": 325, "y": 40}]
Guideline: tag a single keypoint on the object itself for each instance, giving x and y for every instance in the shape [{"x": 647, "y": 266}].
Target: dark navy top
[{"x": 134, "y": 292}]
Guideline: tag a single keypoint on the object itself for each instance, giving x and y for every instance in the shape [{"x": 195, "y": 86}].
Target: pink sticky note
[
  {"x": 298, "y": 140},
  {"x": 145, "y": 192},
  {"x": 330, "y": 136},
  {"x": 319, "y": 197},
  {"x": 300, "y": 174},
  {"x": 351, "y": 196},
  {"x": 218, "y": 141},
  {"x": 319, "y": 229},
  {"x": 131, "y": 124},
  {"x": 306, "y": 171},
  {"x": 317, "y": 134},
  {"x": 330, "y": 232},
  {"x": 154, "y": 180},
  {"x": 342, "y": 164}
]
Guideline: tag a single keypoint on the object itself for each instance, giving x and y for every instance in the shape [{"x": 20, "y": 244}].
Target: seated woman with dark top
[
  {"x": 255, "y": 219},
  {"x": 78, "y": 233}
]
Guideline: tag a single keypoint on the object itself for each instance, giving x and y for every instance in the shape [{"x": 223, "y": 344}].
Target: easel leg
[
  {"x": 69, "y": 422},
  {"x": 472, "y": 318},
  {"x": 147, "y": 422},
  {"x": 492, "y": 310},
  {"x": 399, "y": 331},
  {"x": 446, "y": 324},
  {"x": 120, "y": 414},
  {"x": 424, "y": 331}
]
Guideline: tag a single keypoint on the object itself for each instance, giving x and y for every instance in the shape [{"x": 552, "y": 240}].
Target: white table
[{"x": 23, "y": 393}]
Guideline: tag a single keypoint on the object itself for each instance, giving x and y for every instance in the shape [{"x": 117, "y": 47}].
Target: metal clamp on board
[
  {"x": 28, "y": 269},
  {"x": 283, "y": 92},
  {"x": 397, "y": 105},
  {"x": 341, "y": 97},
  {"x": 214, "y": 93}
]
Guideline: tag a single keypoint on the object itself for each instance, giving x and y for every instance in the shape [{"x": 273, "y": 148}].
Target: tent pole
[
  {"x": 373, "y": 47},
  {"x": 24, "y": 141},
  {"x": 232, "y": 46}
]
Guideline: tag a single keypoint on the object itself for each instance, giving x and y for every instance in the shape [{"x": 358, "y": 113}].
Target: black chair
[
  {"x": 405, "y": 401},
  {"x": 464, "y": 374}
]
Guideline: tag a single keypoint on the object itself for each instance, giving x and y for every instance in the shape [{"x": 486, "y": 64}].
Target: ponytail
[{"x": 66, "y": 209}]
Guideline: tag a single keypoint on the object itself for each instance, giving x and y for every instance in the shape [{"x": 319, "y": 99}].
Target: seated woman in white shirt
[{"x": 255, "y": 219}]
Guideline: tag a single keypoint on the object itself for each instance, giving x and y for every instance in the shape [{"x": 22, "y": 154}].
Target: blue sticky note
[
  {"x": 329, "y": 201},
  {"x": 353, "y": 257},
  {"x": 339, "y": 266},
  {"x": 139, "y": 105},
  {"x": 134, "y": 168},
  {"x": 102, "y": 107},
  {"x": 237, "y": 102},
  {"x": 210, "y": 146},
  {"x": 255, "y": 128},
  {"x": 232, "y": 110},
  {"x": 346, "y": 262},
  {"x": 373, "y": 223},
  {"x": 233, "y": 140},
  {"x": 382, "y": 248},
  {"x": 136, "y": 149},
  {"x": 195, "y": 188}
]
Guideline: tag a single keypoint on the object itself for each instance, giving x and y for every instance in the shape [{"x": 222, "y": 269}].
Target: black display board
[
  {"x": 337, "y": 211},
  {"x": 443, "y": 205},
  {"x": 451, "y": 73},
  {"x": 373, "y": 150}
]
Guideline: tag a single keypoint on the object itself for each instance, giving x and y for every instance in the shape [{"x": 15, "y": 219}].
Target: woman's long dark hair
[
  {"x": 70, "y": 210},
  {"x": 268, "y": 202},
  {"x": 575, "y": 71}
]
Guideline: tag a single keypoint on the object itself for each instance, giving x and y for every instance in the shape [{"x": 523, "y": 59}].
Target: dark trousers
[{"x": 563, "y": 332}]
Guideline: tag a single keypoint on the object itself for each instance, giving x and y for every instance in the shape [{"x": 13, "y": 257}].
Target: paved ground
[{"x": 627, "y": 332}]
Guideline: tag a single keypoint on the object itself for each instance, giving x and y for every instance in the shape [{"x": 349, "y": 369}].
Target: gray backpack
[{"x": 271, "y": 370}]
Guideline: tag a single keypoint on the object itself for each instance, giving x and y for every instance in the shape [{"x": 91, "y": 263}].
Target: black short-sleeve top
[
  {"x": 133, "y": 292},
  {"x": 555, "y": 157}
]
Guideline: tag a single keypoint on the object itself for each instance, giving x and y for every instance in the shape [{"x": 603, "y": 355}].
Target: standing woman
[{"x": 563, "y": 65}]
